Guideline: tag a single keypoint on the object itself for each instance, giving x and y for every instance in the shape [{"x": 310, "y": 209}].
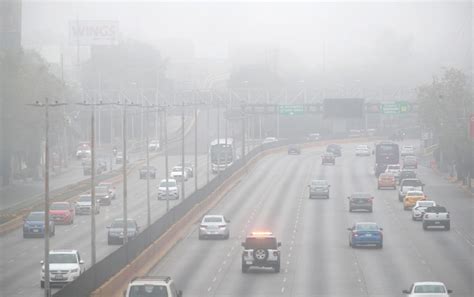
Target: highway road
[{"x": 316, "y": 257}]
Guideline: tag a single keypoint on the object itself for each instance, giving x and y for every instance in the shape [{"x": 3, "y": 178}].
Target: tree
[
  {"x": 26, "y": 79},
  {"x": 444, "y": 109}
]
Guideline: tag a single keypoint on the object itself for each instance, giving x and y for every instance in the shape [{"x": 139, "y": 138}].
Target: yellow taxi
[
  {"x": 411, "y": 198},
  {"x": 386, "y": 180}
]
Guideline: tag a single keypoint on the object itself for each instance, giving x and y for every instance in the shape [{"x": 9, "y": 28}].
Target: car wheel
[
  {"x": 447, "y": 226},
  {"x": 277, "y": 268},
  {"x": 260, "y": 254},
  {"x": 350, "y": 243},
  {"x": 400, "y": 199},
  {"x": 378, "y": 188},
  {"x": 413, "y": 218},
  {"x": 380, "y": 245},
  {"x": 227, "y": 236},
  {"x": 371, "y": 209},
  {"x": 42, "y": 285},
  {"x": 350, "y": 209},
  {"x": 200, "y": 237},
  {"x": 245, "y": 268},
  {"x": 25, "y": 236},
  {"x": 425, "y": 226},
  {"x": 109, "y": 240}
]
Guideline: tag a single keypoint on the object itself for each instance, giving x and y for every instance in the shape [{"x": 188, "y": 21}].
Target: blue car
[
  {"x": 33, "y": 225},
  {"x": 365, "y": 234}
]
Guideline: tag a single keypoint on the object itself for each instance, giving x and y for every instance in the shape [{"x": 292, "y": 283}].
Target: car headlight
[{"x": 74, "y": 270}]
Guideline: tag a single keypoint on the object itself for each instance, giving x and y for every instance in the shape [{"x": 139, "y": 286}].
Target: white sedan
[{"x": 423, "y": 289}]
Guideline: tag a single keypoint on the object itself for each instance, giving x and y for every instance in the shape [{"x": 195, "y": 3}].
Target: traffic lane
[
  {"x": 459, "y": 204},
  {"x": 386, "y": 272},
  {"x": 258, "y": 210},
  {"x": 197, "y": 265},
  {"x": 280, "y": 213},
  {"x": 326, "y": 265},
  {"x": 449, "y": 254},
  {"x": 26, "y": 269}
]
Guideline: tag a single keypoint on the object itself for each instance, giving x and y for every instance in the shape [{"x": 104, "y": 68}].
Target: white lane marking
[
  {"x": 214, "y": 279},
  {"x": 283, "y": 289},
  {"x": 209, "y": 289}
]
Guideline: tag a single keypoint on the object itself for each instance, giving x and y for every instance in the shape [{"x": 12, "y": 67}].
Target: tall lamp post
[{"x": 46, "y": 105}]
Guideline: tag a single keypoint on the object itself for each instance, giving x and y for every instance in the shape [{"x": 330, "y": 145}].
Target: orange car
[
  {"x": 386, "y": 180},
  {"x": 411, "y": 198}
]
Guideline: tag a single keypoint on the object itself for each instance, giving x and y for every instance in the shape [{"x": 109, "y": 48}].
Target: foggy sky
[{"x": 363, "y": 40}]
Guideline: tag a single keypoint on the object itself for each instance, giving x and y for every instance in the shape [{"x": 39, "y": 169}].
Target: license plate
[
  {"x": 437, "y": 222},
  {"x": 248, "y": 262},
  {"x": 58, "y": 277},
  {"x": 35, "y": 230},
  {"x": 368, "y": 235}
]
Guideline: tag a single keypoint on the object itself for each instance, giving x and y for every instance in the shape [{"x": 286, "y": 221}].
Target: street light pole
[
  {"x": 182, "y": 152},
  {"x": 124, "y": 172},
  {"x": 166, "y": 159},
  {"x": 147, "y": 170},
  {"x": 46, "y": 105},
  {"x": 195, "y": 171}
]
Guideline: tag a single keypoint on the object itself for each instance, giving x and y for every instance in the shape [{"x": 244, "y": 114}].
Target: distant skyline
[{"x": 365, "y": 40}]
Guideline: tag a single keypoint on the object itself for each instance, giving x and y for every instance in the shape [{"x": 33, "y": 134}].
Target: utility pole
[
  {"x": 218, "y": 140},
  {"x": 182, "y": 152},
  {"x": 243, "y": 131},
  {"x": 195, "y": 171},
  {"x": 148, "y": 207},
  {"x": 166, "y": 159},
  {"x": 208, "y": 140},
  {"x": 93, "y": 172},
  {"x": 46, "y": 105}
]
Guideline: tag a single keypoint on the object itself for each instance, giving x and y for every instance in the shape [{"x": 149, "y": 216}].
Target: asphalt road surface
[{"x": 316, "y": 258}]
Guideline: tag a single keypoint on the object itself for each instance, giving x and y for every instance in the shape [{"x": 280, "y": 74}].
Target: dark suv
[
  {"x": 328, "y": 158},
  {"x": 335, "y": 149},
  {"x": 319, "y": 188},
  {"x": 294, "y": 149},
  {"x": 361, "y": 201},
  {"x": 115, "y": 233},
  {"x": 261, "y": 250}
]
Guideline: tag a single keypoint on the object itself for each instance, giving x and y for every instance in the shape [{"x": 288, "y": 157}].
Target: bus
[
  {"x": 222, "y": 152},
  {"x": 386, "y": 153}
]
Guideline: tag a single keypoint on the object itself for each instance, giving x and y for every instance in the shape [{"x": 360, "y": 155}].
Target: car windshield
[
  {"x": 408, "y": 174},
  {"x": 412, "y": 183},
  {"x": 363, "y": 147},
  {"x": 393, "y": 167},
  {"x": 319, "y": 183},
  {"x": 361, "y": 195},
  {"x": 261, "y": 242},
  {"x": 429, "y": 289},
  {"x": 148, "y": 291},
  {"x": 59, "y": 206},
  {"x": 414, "y": 193},
  {"x": 35, "y": 216},
  {"x": 85, "y": 198},
  {"x": 367, "y": 227},
  {"x": 119, "y": 224},
  {"x": 170, "y": 184},
  {"x": 213, "y": 220},
  {"x": 177, "y": 169},
  {"x": 425, "y": 203},
  {"x": 62, "y": 258},
  {"x": 101, "y": 190},
  {"x": 436, "y": 209}
]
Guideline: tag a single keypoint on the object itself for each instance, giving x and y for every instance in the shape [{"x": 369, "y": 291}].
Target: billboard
[
  {"x": 343, "y": 108},
  {"x": 84, "y": 32}
]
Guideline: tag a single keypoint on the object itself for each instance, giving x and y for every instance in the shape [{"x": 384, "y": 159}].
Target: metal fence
[{"x": 98, "y": 274}]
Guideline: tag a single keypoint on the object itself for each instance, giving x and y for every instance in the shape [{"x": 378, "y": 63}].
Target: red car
[{"x": 62, "y": 212}]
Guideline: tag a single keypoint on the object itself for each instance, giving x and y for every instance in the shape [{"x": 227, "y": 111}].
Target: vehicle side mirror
[
  {"x": 227, "y": 220},
  {"x": 348, "y": 197},
  {"x": 373, "y": 152},
  {"x": 381, "y": 229},
  {"x": 138, "y": 228},
  {"x": 243, "y": 244},
  {"x": 450, "y": 291},
  {"x": 279, "y": 244},
  {"x": 81, "y": 262},
  {"x": 108, "y": 227},
  {"x": 180, "y": 293},
  {"x": 41, "y": 262},
  {"x": 329, "y": 186},
  {"x": 405, "y": 292}
]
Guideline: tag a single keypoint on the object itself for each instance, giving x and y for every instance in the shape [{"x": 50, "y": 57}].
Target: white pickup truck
[
  {"x": 436, "y": 216},
  {"x": 409, "y": 184}
]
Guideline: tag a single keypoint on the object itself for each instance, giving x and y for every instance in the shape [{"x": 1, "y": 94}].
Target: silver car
[{"x": 214, "y": 226}]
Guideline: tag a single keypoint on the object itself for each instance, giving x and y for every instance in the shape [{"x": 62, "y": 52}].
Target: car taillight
[
  {"x": 381, "y": 234},
  {"x": 275, "y": 253},
  {"x": 447, "y": 216},
  {"x": 371, "y": 198},
  {"x": 426, "y": 216},
  {"x": 202, "y": 226},
  {"x": 221, "y": 226},
  {"x": 355, "y": 234}
]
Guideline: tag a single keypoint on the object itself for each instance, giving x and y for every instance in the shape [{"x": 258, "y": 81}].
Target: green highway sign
[
  {"x": 395, "y": 107},
  {"x": 291, "y": 109}
]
